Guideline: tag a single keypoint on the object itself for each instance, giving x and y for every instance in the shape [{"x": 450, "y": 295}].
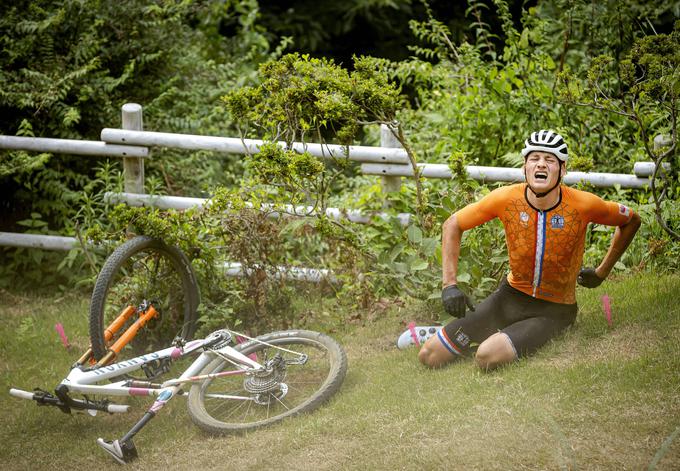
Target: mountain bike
[
  {"x": 147, "y": 291},
  {"x": 231, "y": 387}
]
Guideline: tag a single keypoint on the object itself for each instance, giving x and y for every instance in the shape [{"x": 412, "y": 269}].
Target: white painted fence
[
  {"x": 234, "y": 269},
  {"x": 500, "y": 174},
  {"x": 38, "y": 241},
  {"x": 71, "y": 146},
  {"x": 180, "y": 202},
  {"x": 389, "y": 161},
  {"x": 234, "y": 145}
]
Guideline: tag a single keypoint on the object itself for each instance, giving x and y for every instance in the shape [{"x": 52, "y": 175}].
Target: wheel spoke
[
  {"x": 144, "y": 270},
  {"x": 280, "y": 389}
]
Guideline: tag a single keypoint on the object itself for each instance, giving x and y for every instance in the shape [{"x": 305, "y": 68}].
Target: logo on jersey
[
  {"x": 524, "y": 218},
  {"x": 462, "y": 339},
  {"x": 624, "y": 210},
  {"x": 557, "y": 221}
]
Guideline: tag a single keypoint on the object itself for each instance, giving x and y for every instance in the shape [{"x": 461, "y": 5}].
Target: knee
[
  {"x": 432, "y": 356},
  {"x": 485, "y": 358},
  {"x": 495, "y": 351},
  {"x": 426, "y": 356}
]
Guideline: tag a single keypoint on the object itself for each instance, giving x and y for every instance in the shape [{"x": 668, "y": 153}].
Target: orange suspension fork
[
  {"x": 111, "y": 330},
  {"x": 128, "y": 335},
  {"x": 119, "y": 322}
]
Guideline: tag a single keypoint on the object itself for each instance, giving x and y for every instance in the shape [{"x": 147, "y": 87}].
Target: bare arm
[
  {"x": 622, "y": 239},
  {"x": 451, "y": 236}
]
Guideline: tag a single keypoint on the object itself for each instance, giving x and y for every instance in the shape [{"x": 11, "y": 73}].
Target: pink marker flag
[
  {"x": 607, "y": 308},
  {"x": 60, "y": 330},
  {"x": 414, "y": 335}
]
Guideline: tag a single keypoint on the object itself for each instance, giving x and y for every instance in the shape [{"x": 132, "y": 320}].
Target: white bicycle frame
[
  {"x": 84, "y": 381},
  {"x": 87, "y": 380}
]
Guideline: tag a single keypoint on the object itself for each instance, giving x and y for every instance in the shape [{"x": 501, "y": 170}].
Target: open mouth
[{"x": 541, "y": 176}]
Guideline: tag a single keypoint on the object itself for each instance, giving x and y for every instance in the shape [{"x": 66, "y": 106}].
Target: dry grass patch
[
  {"x": 593, "y": 399},
  {"x": 623, "y": 343}
]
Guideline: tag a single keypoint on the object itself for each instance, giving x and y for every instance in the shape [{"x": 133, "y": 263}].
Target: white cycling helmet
[{"x": 546, "y": 141}]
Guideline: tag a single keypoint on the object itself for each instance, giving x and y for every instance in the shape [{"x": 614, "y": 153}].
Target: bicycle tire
[
  {"x": 323, "y": 374},
  {"x": 144, "y": 268}
]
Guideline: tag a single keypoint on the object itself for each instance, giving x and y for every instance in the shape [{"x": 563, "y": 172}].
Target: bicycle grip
[
  {"x": 117, "y": 408},
  {"x": 21, "y": 394}
]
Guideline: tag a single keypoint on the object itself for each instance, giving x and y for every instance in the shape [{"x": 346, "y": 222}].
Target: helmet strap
[{"x": 545, "y": 193}]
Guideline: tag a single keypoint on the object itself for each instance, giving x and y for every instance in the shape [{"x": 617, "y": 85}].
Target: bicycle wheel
[
  {"x": 144, "y": 270},
  {"x": 238, "y": 403}
]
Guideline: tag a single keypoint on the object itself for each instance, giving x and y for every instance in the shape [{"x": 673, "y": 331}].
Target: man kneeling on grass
[{"x": 545, "y": 225}]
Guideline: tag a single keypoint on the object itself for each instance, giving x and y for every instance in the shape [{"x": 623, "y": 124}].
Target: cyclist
[{"x": 545, "y": 225}]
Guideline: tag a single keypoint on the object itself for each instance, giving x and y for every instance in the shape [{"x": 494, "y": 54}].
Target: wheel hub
[{"x": 268, "y": 381}]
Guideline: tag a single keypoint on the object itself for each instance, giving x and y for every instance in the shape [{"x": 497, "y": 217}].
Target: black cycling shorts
[{"x": 528, "y": 322}]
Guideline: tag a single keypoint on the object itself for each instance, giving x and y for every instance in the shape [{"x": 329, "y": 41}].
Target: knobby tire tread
[
  {"x": 332, "y": 384},
  {"x": 108, "y": 272}
]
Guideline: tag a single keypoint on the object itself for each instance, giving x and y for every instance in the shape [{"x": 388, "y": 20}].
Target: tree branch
[
  {"x": 398, "y": 133},
  {"x": 658, "y": 161}
]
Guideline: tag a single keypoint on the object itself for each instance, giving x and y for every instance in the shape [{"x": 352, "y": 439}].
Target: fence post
[
  {"x": 133, "y": 167},
  {"x": 387, "y": 139},
  {"x": 661, "y": 141}
]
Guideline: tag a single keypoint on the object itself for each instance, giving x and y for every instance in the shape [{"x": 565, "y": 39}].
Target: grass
[{"x": 599, "y": 397}]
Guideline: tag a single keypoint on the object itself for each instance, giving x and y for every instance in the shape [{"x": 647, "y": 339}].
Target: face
[{"x": 542, "y": 170}]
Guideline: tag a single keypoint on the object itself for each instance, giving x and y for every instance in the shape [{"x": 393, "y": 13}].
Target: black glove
[
  {"x": 588, "y": 278},
  {"x": 454, "y": 301}
]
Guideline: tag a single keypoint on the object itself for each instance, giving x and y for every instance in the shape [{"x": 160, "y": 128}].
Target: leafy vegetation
[
  {"x": 645, "y": 90},
  {"x": 468, "y": 94},
  {"x": 68, "y": 67}
]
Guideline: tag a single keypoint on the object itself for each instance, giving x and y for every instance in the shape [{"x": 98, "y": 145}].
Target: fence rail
[
  {"x": 233, "y": 269},
  {"x": 501, "y": 174},
  {"x": 71, "y": 146},
  {"x": 389, "y": 161},
  {"x": 38, "y": 241},
  {"x": 235, "y": 145},
  {"x": 181, "y": 202}
]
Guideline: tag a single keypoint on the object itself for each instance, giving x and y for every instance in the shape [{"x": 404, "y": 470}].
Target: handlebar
[
  {"x": 117, "y": 408},
  {"x": 21, "y": 394},
  {"x": 43, "y": 398}
]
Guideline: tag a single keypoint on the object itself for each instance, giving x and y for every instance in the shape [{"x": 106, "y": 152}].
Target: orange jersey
[{"x": 545, "y": 247}]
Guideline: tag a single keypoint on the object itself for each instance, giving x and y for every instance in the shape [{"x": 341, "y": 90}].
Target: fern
[
  {"x": 436, "y": 33},
  {"x": 503, "y": 10},
  {"x": 483, "y": 35}
]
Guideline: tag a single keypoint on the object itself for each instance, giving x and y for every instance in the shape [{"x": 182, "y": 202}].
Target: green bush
[
  {"x": 66, "y": 70},
  {"x": 465, "y": 97}
]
